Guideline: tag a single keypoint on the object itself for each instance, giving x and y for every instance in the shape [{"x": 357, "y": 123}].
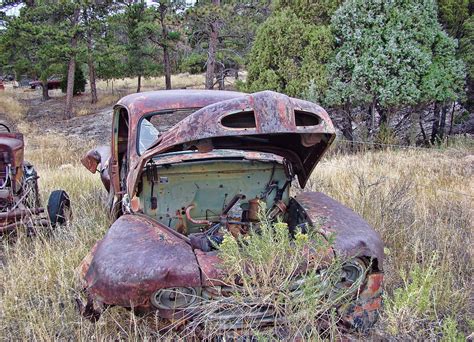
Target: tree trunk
[
  {"x": 221, "y": 80},
  {"x": 442, "y": 121},
  {"x": 436, "y": 119},
  {"x": 70, "y": 85},
  {"x": 166, "y": 53},
  {"x": 167, "y": 65},
  {"x": 383, "y": 120},
  {"x": 44, "y": 90},
  {"x": 139, "y": 83},
  {"x": 71, "y": 67},
  {"x": 90, "y": 62},
  {"x": 423, "y": 133},
  {"x": 347, "y": 131},
  {"x": 371, "y": 119},
  {"x": 451, "y": 124},
  {"x": 211, "y": 54}
]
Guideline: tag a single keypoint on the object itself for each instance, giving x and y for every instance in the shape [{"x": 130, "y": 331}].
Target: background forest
[{"x": 387, "y": 71}]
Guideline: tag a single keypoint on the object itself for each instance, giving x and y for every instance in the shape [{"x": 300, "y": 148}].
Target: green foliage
[
  {"x": 450, "y": 331},
  {"x": 466, "y": 45},
  {"x": 294, "y": 56},
  {"x": 267, "y": 267},
  {"x": 235, "y": 22},
  {"x": 453, "y": 14},
  {"x": 311, "y": 11},
  {"x": 444, "y": 79},
  {"x": 137, "y": 20},
  {"x": 413, "y": 300},
  {"x": 194, "y": 63},
  {"x": 79, "y": 80},
  {"x": 392, "y": 54},
  {"x": 34, "y": 42}
]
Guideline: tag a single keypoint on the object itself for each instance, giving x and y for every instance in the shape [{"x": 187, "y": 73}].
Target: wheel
[{"x": 59, "y": 207}]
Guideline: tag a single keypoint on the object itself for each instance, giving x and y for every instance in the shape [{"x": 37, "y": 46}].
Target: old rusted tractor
[
  {"x": 20, "y": 203},
  {"x": 184, "y": 166}
]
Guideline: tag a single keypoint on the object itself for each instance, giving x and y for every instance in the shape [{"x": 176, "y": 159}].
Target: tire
[{"x": 59, "y": 208}]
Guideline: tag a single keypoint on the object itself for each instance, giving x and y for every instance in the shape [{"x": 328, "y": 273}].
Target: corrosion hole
[
  {"x": 306, "y": 119},
  {"x": 239, "y": 120}
]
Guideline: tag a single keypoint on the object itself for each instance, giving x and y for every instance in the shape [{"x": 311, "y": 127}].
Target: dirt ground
[{"x": 47, "y": 116}]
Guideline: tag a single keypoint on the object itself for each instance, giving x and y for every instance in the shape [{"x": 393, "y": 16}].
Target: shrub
[
  {"x": 294, "y": 56},
  {"x": 274, "y": 273}
]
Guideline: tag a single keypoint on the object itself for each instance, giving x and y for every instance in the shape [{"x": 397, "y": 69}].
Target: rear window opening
[
  {"x": 306, "y": 119},
  {"x": 239, "y": 120}
]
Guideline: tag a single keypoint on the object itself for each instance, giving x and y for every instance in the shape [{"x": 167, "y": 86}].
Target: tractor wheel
[{"x": 59, "y": 208}]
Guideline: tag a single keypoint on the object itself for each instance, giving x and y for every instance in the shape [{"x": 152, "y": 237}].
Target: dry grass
[
  {"x": 11, "y": 107},
  {"x": 128, "y": 85},
  {"x": 427, "y": 231},
  {"x": 421, "y": 201},
  {"x": 105, "y": 99}
]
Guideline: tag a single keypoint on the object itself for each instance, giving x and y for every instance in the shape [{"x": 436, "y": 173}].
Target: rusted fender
[
  {"x": 354, "y": 236},
  {"x": 97, "y": 159},
  {"x": 13, "y": 144},
  {"x": 137, "y": 257}
]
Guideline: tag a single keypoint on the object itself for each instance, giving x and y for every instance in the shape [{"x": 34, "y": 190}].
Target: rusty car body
[
  {"x": 20, "y": 202},
  {"x": 172, "y": 188}
]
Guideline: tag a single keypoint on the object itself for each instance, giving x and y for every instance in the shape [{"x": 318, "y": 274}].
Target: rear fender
[{"x": 354, "y": 237}]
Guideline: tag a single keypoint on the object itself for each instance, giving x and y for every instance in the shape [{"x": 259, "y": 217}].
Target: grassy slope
[{"x": 428, "y": 233}]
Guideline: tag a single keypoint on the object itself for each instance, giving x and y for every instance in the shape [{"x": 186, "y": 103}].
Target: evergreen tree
[
  {"x": 221, "y": 33},
  {"x": 389, "y": 55},
  {"x": 293, "y": 58},
  {"x": 79, "y": 81},
  {"x": 32, "y": 43}
]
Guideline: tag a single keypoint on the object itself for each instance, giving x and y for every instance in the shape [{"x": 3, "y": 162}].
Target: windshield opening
[{"x": 153, "y": 125}]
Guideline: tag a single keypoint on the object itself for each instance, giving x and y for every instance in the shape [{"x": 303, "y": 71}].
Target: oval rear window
[
  {"x": 239, "y": 120},
  {"x": 306, "y": 119}
]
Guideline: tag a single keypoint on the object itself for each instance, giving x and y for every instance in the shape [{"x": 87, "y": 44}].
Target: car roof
[{"x": 143, "y": 103}]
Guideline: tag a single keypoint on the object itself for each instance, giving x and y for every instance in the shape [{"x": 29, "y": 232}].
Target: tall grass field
[{"x": 420, "y": 200}]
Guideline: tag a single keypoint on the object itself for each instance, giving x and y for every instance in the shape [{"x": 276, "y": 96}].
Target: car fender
[
  {"x": 137, "y": 257},
  {"x": 354, "y": 237}
]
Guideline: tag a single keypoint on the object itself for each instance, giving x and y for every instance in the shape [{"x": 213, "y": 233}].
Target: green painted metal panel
[{"x": 209, "y": 186}]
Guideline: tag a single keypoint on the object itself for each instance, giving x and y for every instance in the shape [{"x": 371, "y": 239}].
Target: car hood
[{"x": 269, "y": 122}]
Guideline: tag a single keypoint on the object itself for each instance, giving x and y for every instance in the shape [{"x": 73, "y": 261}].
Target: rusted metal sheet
[
  {"x": 275, "y": 131},
  {"x": 354, "y": 236},
  {"x": 13, "y": 144},
  {"x": 220, "y": 154},
  {"x": 137, "y": 257},
  {"x": 142, "y": 104},
  {"x": 19, "y": 198},
  {"x": 212, "y": 273},
  {"x": 98, "y": 160}
]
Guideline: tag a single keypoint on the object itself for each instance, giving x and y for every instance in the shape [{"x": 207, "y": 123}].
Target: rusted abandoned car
[
  {"x": 20, "y": 203},
  {"x": 173, "y": 189}
]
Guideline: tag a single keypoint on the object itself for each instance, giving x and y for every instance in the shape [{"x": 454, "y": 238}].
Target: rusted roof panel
[{"x": 152, "y": 101}]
